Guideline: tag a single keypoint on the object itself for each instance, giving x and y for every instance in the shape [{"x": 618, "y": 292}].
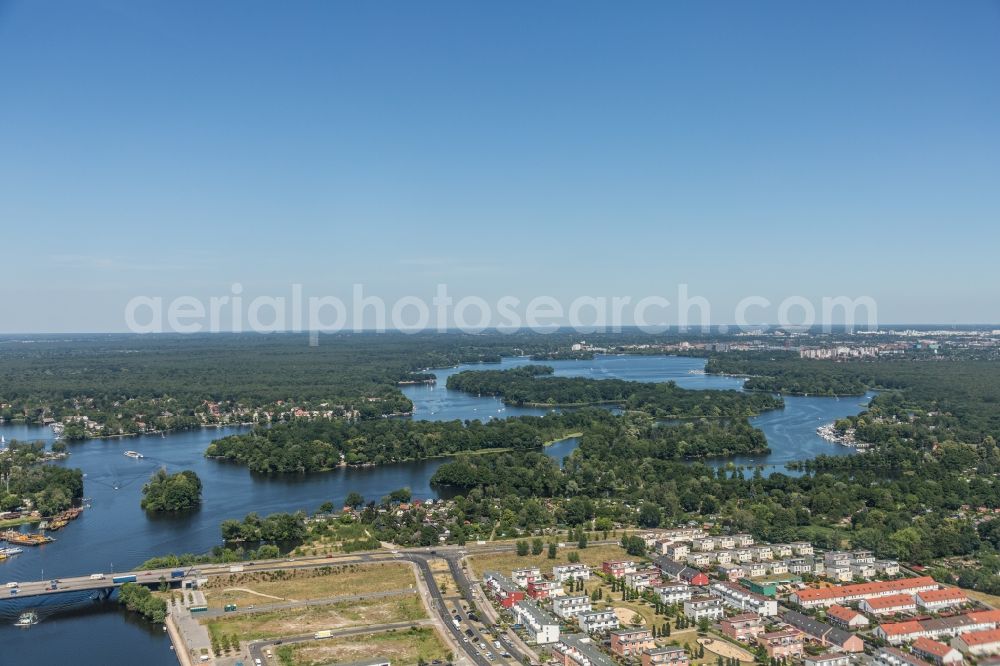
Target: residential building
[
  {"x": 784, "y": 644},
  {"x": 722, "y": 556},
  {"x": 742, "y": 540},
  {"x": 565, "y": 572},
  {"x": 756, "y": 569},
  {"x": 545, "y": 589},
  {"x": 665, "y": 656},
  {"x": 577, "y": 650},
  {"x": 725, "y": 542},
  {"x": 704, "y": 543},
  {"x": 936, "y": 600},
  {"x": 628, "y": 642},
  {"x": 522, "y": 577},
  {"x": 802, "y": 548},
  {"x": 978, "y": 643},
  {"x": 744, "y": 627},
  {"x": 841, "y": 594},
  {"x": 765, "y": 588},
  {"x": 763, "y": 553},
  {"x": 502, "y": 589},
  {"x": 887, "y": 567},
  {"x": 890, "y": 656},
  {"x": 698, "y": 560},
  {"x": 618, "y": 568},
  {"x": 598, "y": 622},
  {"x": 827, "y": 659},
  {"x": 782, "y": 549},
  {"x": 936, "y": 652},
  {"x": 539, "y": 625},
  {"x": 779, "y": 567},
  {"x": 742, "y": 599},
  {"x": 846, "y": 618},
  {"x": 888, "y": 605},
  {"x": 696, "y": 608},
  {"x": 677, "y": 551},
  {"x": 673, "y": 593},
  {"x": 824, "y": 633},
  {"x": 571, "y": 606},
  {"x": 903, "y": 632},
  {"x": 732, "y": 572},
  {"x": 680, "y": 572},
  {"x": 642, "y": 578}
]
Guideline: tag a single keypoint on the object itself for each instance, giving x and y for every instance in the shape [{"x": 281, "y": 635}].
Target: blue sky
[{"x": 557, "y": 148}]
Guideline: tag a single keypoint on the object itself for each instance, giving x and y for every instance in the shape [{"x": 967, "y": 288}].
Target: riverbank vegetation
[
  {"x": 312, "y": 446},
  {"x": 28, "y": 482},
  {"x": 534, "y": 385},
  {"x": 171, "y": 492},
  {"x": 920, "y": 402},
  {"x": 138, "y": 599}
]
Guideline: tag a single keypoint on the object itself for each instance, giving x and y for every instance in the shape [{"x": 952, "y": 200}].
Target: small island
[{"x": 171, "y": 492}]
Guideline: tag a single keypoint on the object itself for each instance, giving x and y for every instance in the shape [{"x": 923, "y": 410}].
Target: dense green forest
[
  {"x": 139, "y": 599},
  {"x": 171, "y": 492},
  {"x": 310, "y": 446},
  {"x": 25, "y": 476},
  {"x": 534, "y": 385},
  {"x": 125, "y": 384}
]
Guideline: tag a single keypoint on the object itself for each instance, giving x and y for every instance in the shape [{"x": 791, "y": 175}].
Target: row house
[
  {"x": 618, "y": 568},
  {"x": 502, "y": 589},
  {"x": 904, "y": 632},
  {"x": 742, "y": 540},
  {"x": 890, "y": 656},
  {"x": 545, "y": 589},
  {"x": 784, "y": 644},
  {"x": 755, "y": 569},
  {"x": 703, "y": 544},
  {"x": 779, "y": 567},
  {"x": 629, "y": 642},
  {"x": 566, "y": 572},
  {"x": 937, "y": 600},
  {"x": 722, "y": 557},
  {"x": 805, "y": 565},
  {"x": 841, "y": 594},
  {"x": 890, "y": 605},
  {"x": 936, "y": 652},
  {"x": 743, "y": 628},
  {"x": 680, "y": 572},
  {"x": 742, "y": 599},
  {"x": 522, "y": 577},
  {"x": 782, "y": 549},
  {"x": 539, "y": 625},
  {"x": 846, "y": 618},
  {"x": 696, "y": 608},
  {"x": 671, "y": 655},
  {"x": 598, "y": 622},
  {"x": 673, "y": 594},
  {"x": 569, "y": 607},
  {"x": 978, "y": 643},
  {"x": 577, "y": 650},
  {"x": 823, "y": 633}
]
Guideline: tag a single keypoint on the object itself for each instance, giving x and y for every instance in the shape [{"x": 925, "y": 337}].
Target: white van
[
  {"x": 96, "y": 576},
  {"x": 11, "y": 584}
]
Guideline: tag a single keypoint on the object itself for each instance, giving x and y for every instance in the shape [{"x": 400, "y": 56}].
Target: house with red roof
[
  {"x": 937, "y": 600},
  {"x": 892, "y": 604},
  {"x": 846, "y": 618},
  {"x": 936, "y": 652}
]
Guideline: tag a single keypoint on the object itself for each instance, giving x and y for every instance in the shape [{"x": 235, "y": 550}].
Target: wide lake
[{"x": 114, "y": 534}]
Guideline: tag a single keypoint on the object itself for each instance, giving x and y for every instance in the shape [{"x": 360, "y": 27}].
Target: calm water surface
[{"x": 115, "y": 534}]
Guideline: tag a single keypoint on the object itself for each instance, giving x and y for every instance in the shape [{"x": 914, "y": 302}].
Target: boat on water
[
  {"x": 27, "y": 619},
  {"x": 25, "y": 538},
  {"x": 134, "y": 454},
  {"x": 11, "y": 551}
]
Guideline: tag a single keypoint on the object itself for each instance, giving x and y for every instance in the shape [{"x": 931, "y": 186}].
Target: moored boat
[
  {"x": 25, "y": 538},
  {"x": 27, "y": 619}
]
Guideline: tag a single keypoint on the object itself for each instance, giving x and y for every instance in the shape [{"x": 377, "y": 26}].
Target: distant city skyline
[{"x": 771, "y": 149}]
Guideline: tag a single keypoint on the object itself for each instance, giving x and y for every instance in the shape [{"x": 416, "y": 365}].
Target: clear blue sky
[{"x": 562, "y": 148}]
